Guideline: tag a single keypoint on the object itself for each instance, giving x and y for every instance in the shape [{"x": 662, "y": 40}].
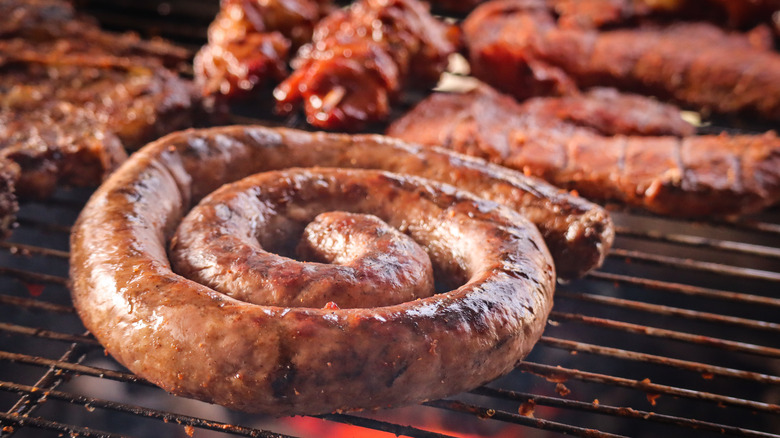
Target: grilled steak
[
  {"x": 689, "y": 176},
  {"x": 73, "y": 97}
]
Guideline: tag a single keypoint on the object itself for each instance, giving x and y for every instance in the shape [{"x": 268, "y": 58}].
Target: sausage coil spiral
[{"x": 194, "y": 341}]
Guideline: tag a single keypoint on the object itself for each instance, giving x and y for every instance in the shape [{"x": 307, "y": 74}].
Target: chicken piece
[
  {"x": 250, "y": 41},
  {"x": 360, "y": 59}
]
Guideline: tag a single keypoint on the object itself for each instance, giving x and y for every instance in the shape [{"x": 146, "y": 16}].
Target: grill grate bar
[
  {"x": 43, "y": 423},
  {"x": 185, "y": 420},
  {"x": 32, "y": 304},
  {"x": 557, "y": 374},
  {"x": 75, "y": 368},
  {"x": 670, "y": 311},
  {"x": 530, "y": 400},
  {"x": 686, "y": 289},
  {"x": 131, "y": 378},
  {"x": 50, "y": 380},
  {"x": 668, "y": 334},
  {"x": 697, "y": 367},
  {"x": 750, "y": 225},
  {"x": 538, "y": 423},
  {"x": 47, "y": 334},
  {"x": 735, "y": 224},
  {"x": 714, "y": 268},
  {"x": 701, "y": 242},
  {"x": 21, "y": 248},
  {"x": 33, "y": 277}
]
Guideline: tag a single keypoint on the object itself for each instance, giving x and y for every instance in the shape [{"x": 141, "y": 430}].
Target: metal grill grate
[{"x": 677, "y": 334}]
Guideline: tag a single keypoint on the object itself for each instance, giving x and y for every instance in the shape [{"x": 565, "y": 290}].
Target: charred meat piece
[
  {"x": 249, "y": 43},
  {"x": 524, "y": 52},
  {"x": 9, "y": 173},
  {"x": 359, "y": 60},
  {"x": 598, "y": 13},
  {"x": 692, "y": 176},
  {"x": 68, "y": 120}
]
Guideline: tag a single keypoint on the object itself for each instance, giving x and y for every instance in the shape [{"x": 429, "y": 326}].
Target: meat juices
[
  {"x": 694, "y": 176},
  {"x": 360, "y": 59},
  {"x": 196, "y": 342},
  {"x": 523, "y": 51}
]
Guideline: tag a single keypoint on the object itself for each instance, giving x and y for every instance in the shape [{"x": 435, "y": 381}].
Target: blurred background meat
[
  {"x": 251, "y": 41},
  {"x": 524, "y": 52}
]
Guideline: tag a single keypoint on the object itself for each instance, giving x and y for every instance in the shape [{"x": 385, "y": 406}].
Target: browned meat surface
[
  {"x": 250, "y": 41},
  {"x": 524, "y": 52},
  {"x": 9, "y": 173},
  {"x": 600, "y": 13},
  {"x": 360, "y": 59},
  {"x": 69, "y": 105},
  {"x": 194, "y": 341},
  {"x": 53, "y": 28},
  {"x": 610, "y": 112},
  {"x": 691, "y": 176},
  {"x": 363, "y": 261}
]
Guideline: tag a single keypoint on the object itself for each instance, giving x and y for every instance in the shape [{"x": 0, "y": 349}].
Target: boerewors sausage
[{"x": 195, "y": 341}]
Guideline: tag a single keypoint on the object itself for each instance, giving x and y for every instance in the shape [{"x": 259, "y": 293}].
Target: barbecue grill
[{"x": 676, "y": 334}]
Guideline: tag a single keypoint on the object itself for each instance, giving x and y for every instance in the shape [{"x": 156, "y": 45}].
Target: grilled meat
[
  {"x": 359, "y": 60},
  {"x": 249, "y": 43},
  {"x": 73, "y": 97},
  {"x": 693, "y": 176},
  {"x": 523, "y": 51},
  {"x": 54, "y": 29},
  {"x": 610, "y": 112},
  {"x": 598, "y": 13}
]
